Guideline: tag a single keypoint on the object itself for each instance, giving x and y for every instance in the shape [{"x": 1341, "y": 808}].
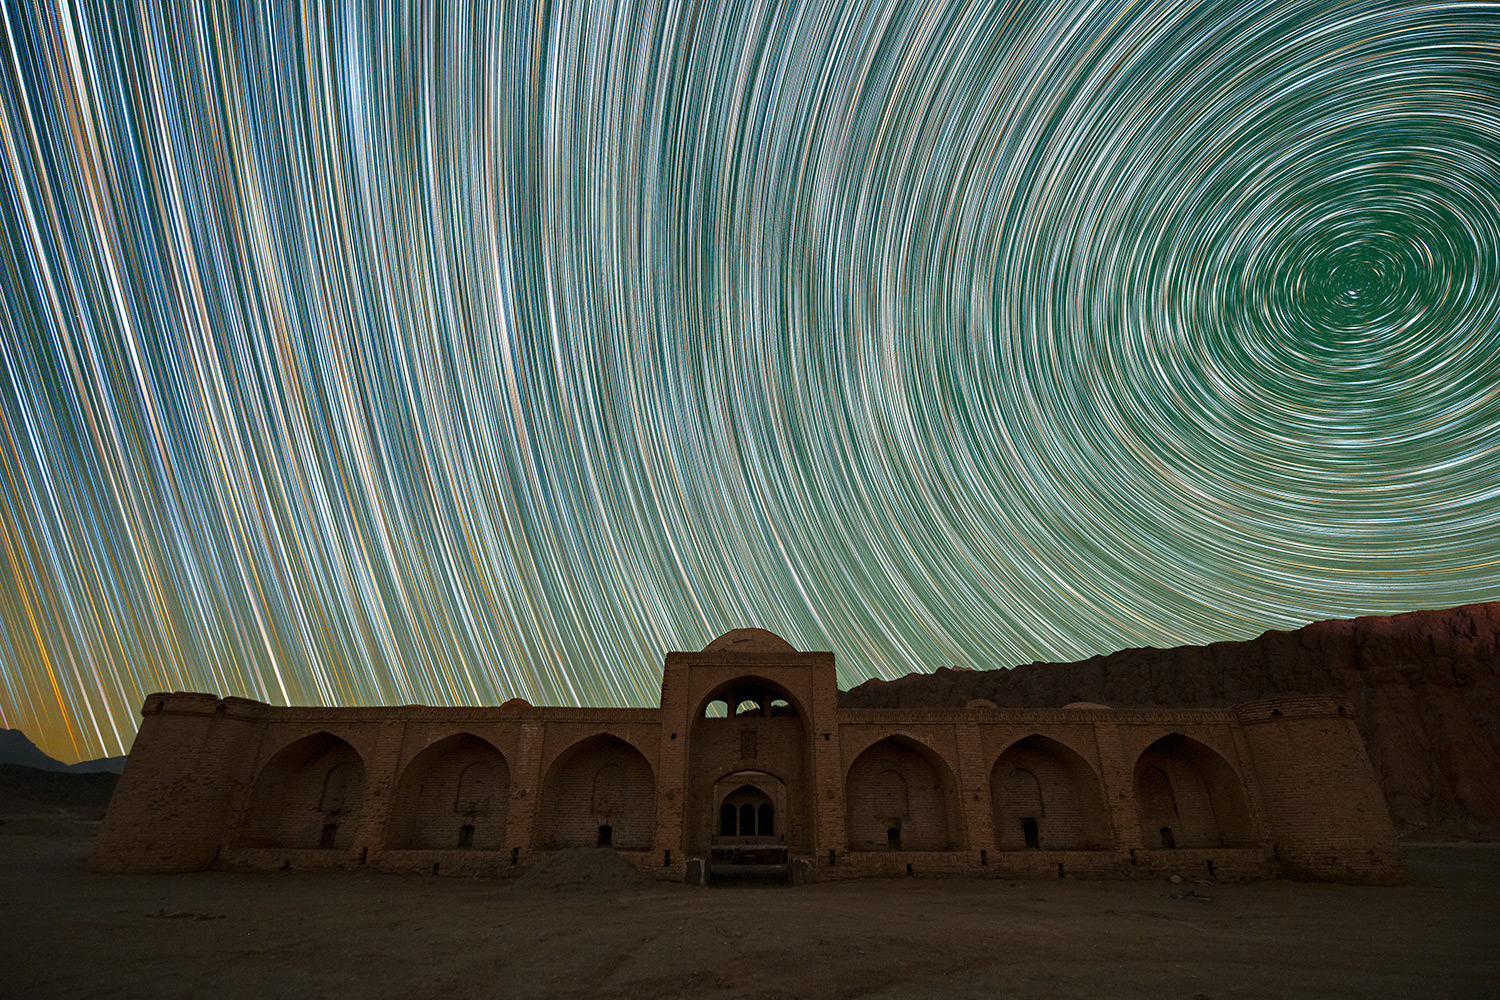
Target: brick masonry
[{"x": 1271, "y": 788}]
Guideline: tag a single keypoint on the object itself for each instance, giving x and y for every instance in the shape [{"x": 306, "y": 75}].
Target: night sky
[{"x": 349, "y": 360}]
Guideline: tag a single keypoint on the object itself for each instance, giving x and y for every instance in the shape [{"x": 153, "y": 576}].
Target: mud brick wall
[
  {"x": 1277, "y": 786},
  {"x": 1327, "y": 818}
]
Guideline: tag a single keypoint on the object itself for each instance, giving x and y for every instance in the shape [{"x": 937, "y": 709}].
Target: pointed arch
[
  {"x": 1188, "y": 795},
  {"x": 597, "y": 783},
  {"x": 309, "y": 795},
  {"x": 456, "y": 782},
  {"x": 1046, "y": 795},
  {"x": 900, "y": 784}
]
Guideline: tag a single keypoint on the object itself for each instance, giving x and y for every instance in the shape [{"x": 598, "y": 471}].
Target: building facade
[{"x": 749, "y": 760}]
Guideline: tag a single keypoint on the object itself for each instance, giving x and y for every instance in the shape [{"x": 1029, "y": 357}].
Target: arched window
[
  {"x": 307, "y": 796},
  {"x": 747, "y": 820},
  {"x": 599, "y": 781},
  {"x": 900, "y": 784},
  {"x": 459, "y": 776},
  {"x": 767, "y": 820},
  {"x": 1189, "y": 796},
  {"x": 728, "y": 816}
]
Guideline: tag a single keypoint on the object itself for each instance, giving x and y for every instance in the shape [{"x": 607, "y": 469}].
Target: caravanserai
[{"x": 748, "y": 760}]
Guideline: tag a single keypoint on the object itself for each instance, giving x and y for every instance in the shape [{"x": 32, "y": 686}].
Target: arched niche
[
  {"x": 308, "y": 795},
  {"x": 1189, "y": 796},
  {"x": 600, "y": 791},
  {"x": 1046, "y": 796},
  {"x": 900, "y": 795},
  {"x": 454, "y": 794}
]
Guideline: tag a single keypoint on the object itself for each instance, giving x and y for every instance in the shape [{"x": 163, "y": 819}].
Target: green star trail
[{"x": 353, "y": 356}]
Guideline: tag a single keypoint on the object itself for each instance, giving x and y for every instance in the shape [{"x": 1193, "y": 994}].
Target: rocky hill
[
  {"x": 1424, "y": 686},
  {"x": 16, "y": 748}
]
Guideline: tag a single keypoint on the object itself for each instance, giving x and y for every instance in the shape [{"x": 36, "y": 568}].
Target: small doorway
[
  {"x": 606, "y": 835},
  {"x": 1031, "y": 832}
]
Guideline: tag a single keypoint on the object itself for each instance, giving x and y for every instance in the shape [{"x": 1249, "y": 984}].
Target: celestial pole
[{"x": 355, "y": 357}]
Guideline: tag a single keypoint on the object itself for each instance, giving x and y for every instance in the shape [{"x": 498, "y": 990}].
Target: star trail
[{"x": 460, "y": 353}]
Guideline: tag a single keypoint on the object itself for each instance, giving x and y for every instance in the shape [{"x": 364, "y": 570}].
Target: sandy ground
[{"x": 67, "y": 932}]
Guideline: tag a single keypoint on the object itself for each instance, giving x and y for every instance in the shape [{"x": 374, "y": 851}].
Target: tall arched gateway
[{"x": 748, "y": 776}]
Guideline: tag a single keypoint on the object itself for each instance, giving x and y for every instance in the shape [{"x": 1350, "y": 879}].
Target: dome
[
  {"x": 749, "y": 640},
  {"x": 1085, "y": 704}
]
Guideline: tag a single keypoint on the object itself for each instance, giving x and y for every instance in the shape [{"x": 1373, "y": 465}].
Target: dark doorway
[
  {"x": 466, "y": 835},
  {"x": 1032, "y": 834},
  {"x": 727, "y": 814},
  {"x": 747, "y": 820},
  {"x": 893, "y": 838},
  {"x": 767, "y": 823},
  {"x": 329, "y": 836},
  {"x": 606, "y": 835},
  {"x": 1167, "y": 840}
]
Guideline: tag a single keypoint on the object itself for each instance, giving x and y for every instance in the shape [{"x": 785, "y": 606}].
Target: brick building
[{"x": 749, "y": 759}]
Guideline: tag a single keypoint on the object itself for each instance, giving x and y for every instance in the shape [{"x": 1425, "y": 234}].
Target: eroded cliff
[{"x": 1425, "y": 687}]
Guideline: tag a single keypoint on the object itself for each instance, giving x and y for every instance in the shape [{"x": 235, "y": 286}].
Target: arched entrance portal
[{"x": 749, "y": 838}]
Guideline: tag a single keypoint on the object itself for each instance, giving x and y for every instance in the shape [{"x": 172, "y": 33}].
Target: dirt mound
[{"x": 580, "y": 868}]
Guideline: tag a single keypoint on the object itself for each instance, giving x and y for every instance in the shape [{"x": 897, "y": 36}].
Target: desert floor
[{"x": 591, "y": 931}]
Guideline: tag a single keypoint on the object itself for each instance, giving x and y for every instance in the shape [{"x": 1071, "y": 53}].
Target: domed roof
[
  {"x": 749, "y": 640},
  {"x": 1085, "y": 704}
]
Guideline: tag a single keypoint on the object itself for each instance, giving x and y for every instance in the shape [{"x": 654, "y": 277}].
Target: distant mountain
[
  {"x": 1424, "y": 687},
  {"x": 99, "y": 765},
  {"x": 17, "y": 748}
]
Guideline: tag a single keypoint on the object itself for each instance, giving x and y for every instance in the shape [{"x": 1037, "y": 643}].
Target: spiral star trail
[{"x": 444, "y": 356}]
